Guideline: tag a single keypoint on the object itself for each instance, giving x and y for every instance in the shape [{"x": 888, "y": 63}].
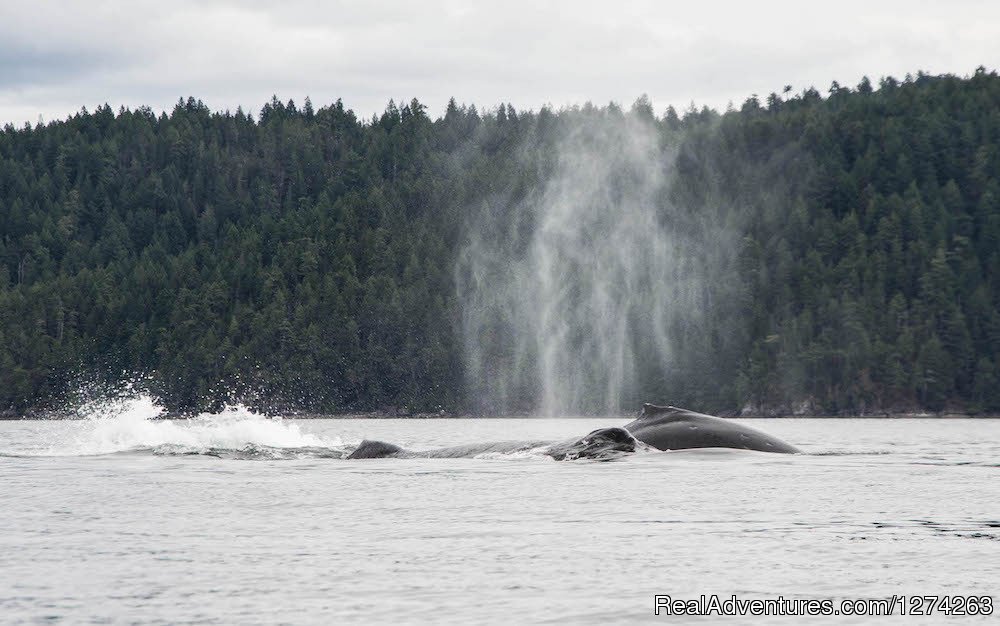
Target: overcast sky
[{"x": 57, "y": 56}]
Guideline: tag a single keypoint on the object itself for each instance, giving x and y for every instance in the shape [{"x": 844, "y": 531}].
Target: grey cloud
[
  {"x": 23, "y": 65},
  {"x": 56, "y": 57}
]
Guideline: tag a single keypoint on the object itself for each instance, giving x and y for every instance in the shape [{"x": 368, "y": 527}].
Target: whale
[
  {"x": 657, "y": 428},
  {"x": 603, "y": 444},
  {"x": 674, "y": 428}
]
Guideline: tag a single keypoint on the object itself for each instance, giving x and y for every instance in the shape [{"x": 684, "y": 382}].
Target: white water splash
[{"x": 131, "y": 424}]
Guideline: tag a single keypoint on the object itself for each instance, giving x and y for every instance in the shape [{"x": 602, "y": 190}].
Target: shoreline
[{"x": 56, "y": 416}]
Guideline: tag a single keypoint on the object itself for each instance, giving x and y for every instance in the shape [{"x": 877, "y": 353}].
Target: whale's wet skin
[
  {"x": 236, "y": 519},
  {"x": 657, "y": 428},
  {"x": 673, "y": 428},
  {"x": 603, "y": 444}
]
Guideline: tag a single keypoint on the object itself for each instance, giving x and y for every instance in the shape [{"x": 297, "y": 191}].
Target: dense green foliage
[
  {"x": 306, "y": 258},
  {"x": 870, "y": 266}
]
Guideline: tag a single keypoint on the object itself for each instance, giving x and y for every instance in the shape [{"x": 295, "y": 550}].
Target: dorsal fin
[{"x": 649, "y": 410}]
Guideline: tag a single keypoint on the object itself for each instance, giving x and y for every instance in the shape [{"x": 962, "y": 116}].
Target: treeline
[
  {"x": 301, "y": 259},
  {"x": 870, "y": 263},
  {"x": 305, "y": 258}
]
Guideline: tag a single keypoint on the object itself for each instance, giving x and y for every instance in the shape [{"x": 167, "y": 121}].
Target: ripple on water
[{"x": 170, "y": 523}]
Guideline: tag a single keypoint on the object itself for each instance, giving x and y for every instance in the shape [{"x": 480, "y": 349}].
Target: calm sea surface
[{"x": 236, "y": 519}]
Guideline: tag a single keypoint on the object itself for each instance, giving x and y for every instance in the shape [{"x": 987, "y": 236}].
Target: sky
[{"x": 59, "y": 56}]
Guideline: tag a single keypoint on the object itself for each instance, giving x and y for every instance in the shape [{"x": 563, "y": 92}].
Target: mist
[{"x": 585, "y": 291}]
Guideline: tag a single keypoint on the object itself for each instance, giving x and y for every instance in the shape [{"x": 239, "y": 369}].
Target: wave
[
  {"x": 849, "y": 453},
  {"x": 258, "y": 452}
]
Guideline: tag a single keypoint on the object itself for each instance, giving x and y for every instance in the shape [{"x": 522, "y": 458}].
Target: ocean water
[{"x": 234, "y": 518}]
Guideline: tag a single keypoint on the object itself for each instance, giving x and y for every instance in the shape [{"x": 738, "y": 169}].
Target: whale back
[
  {"x": 601, "y": 444},
  {"x": 674, "y": 428},
  {"x": 375, "y": 450},
  {"x": 371, "y": 449}
]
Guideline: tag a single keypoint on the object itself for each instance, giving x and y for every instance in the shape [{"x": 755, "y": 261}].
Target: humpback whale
[
  {"x": 659, "y": 427},
  {"x": 673, "y": 428},
  {"x": 602, "y": 444}
]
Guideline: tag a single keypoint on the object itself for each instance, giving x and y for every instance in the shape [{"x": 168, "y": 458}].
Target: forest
[{"x": 304, "y": 259}]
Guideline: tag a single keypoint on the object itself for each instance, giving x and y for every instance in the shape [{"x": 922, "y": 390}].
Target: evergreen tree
[{"x": 306, "y": 259}]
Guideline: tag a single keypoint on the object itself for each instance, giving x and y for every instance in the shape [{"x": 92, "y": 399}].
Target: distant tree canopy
[{"x": 306, "y": 259}]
